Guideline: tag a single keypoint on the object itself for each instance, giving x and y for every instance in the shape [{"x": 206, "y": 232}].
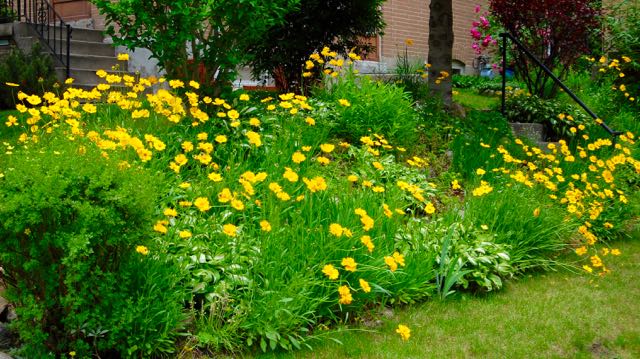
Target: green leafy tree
[
  {"x": 557, "y": 32},
  {"x": 214, "y": 33},
  {"x": 283, "y": 49}
]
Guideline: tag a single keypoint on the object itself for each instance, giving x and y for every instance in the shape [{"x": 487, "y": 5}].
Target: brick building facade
[
  {"x": 406, "y": 19},
  {"x": 409, "y": 19}
]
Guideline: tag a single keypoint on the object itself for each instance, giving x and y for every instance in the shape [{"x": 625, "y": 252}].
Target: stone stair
[
  {"x": 89, "y": 53},
  {"x": 534, "y": 132}
]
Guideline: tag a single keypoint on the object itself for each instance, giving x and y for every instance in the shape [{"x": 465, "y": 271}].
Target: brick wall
[
  {"x": 98, "y": 20},
  {"x": 409, "y": 19}
]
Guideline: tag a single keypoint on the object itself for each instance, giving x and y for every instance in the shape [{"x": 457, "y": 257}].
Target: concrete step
[
  {"x": 91, "y": 62},
  {"x": 78, "y": 47},
  {"x": 89, "y": 87},
  {"x": 81, "y": 34}
]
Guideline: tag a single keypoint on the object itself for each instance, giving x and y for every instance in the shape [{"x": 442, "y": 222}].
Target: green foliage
[
  {"x": 7, "y": 14},
  {"x": 555, "y": 32},
  {"x": 469, "y": 258},
  {"x": 480, "y": 127},
  {"x": 375, "y": 107},
  {"x": 216, "y": 34},
  {"x": 71, "y": 225},
  {"x": 33, "y": 72},
  {"x": 555, "y": 115},
  {"x": 623, "y": 32},
  {"x": 411, "y": 76},
  {"x": 509, "y": 212},
  {"x": 284, "y": 47},
  {"x": 465, "y": 81}
]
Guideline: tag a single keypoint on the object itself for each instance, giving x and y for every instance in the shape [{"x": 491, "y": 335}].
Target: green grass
[
  {"x": 471, "y": 99},
  {"x": 557, "y": 314}
]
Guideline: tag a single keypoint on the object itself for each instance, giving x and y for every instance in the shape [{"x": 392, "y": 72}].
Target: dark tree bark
[{"x": 441, "y": 47}]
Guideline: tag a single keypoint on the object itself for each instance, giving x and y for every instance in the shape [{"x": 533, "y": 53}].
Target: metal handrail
[
  {"x": 48, "y": 24},
  {"x": 522, "y": 48}
]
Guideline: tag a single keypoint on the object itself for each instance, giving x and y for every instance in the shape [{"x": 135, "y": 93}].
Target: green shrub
[
  {"x": 554, "y": 115},
  {"x": 33, "y": 72},
  {"x": 411, "y": 76},
  {"x": 478, "y": 129},
  {"x": 71, "y": 226},
  {"x": 6, "y": 13},
  {"x": 472, "y": 253},
  {"x": 510, "y": 212},
  {"x": 375, "y": 107},
  {"x": 465, "y": 82}
]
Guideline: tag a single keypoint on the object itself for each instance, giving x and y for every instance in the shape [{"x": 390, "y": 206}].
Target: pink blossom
[
  {"x": 484, "y": 21},
  {"x": 487, "y": 40},
  {"x": 476, "y": 34},
  {"x": 477, "y": 9}
]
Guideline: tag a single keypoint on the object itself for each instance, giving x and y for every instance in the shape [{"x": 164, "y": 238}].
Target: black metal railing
[
  {"x": 48, "y": 24},
  {"x": 507, "y": 36}
]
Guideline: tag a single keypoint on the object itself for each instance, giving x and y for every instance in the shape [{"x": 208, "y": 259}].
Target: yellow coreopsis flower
[
  {"x": 389, "y": 261},
  {"x": 345, "y": 295},
  {"x": 330, "y": 271},
  {"x": 581, "y": 250},
  {"x": 365, "y": 286},
  {"x": 336, "y": 229},
  {"x": 202, "y": 203},
  {"x": 230, "y": 230},
  {"x": 327, "y": 148},
  {"x": 430, "y": 208},
  {"x": 349, "y": 264},
  {"x": 184, "y": 234},
  {"x": 366, "y": 240},
  {"x": 142, "y": 250},
  {"x": 254, "y": 138},
  {"x": 215, "y": 177},
  {"x": 237, "y": 204},
  {"x": 176, "y": 84},
  {"x": 265, "y": 226},
  {"x": 254, "y": 122},
  {"x": 34, "y": 100},
  {"x": 225, "y": 196},
  {"x": 404, "y": 331},
  {"x": 298, "y": 157},
  {"x": 290, "y": 175},
  {"x": 123, "y": 57},
  {"x": 170, "y": 212},
  {"x": 344, "y": 102}
]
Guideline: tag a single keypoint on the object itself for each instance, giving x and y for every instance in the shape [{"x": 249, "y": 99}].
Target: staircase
[
  {"x": 77, "y": 53},
  {"x": 88, "y": 54}
]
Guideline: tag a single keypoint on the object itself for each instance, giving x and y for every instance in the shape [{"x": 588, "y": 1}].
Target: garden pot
[{"x": 6, "y": 29}]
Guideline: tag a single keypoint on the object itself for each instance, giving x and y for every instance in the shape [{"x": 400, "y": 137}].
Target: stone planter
[
  {"x": 532, "y": 131},
  {"x": 6, "y": 29}
]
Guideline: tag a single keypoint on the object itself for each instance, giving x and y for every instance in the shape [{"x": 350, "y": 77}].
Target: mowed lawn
[{"x": 543, "y": 315}]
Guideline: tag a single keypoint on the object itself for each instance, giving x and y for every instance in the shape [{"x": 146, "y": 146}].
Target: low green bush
[
  {"x": 467, "y": 252},
  {"x": 534, "y": 230},
  {"x": 76, "y": 256},
  {"x": 32, "y": 72},
  {"x": 374, "y": 107},
  {"x": 557, "y": 117}
]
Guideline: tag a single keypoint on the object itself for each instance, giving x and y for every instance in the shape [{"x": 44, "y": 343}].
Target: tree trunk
[{"x": 441, "y": 48}]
